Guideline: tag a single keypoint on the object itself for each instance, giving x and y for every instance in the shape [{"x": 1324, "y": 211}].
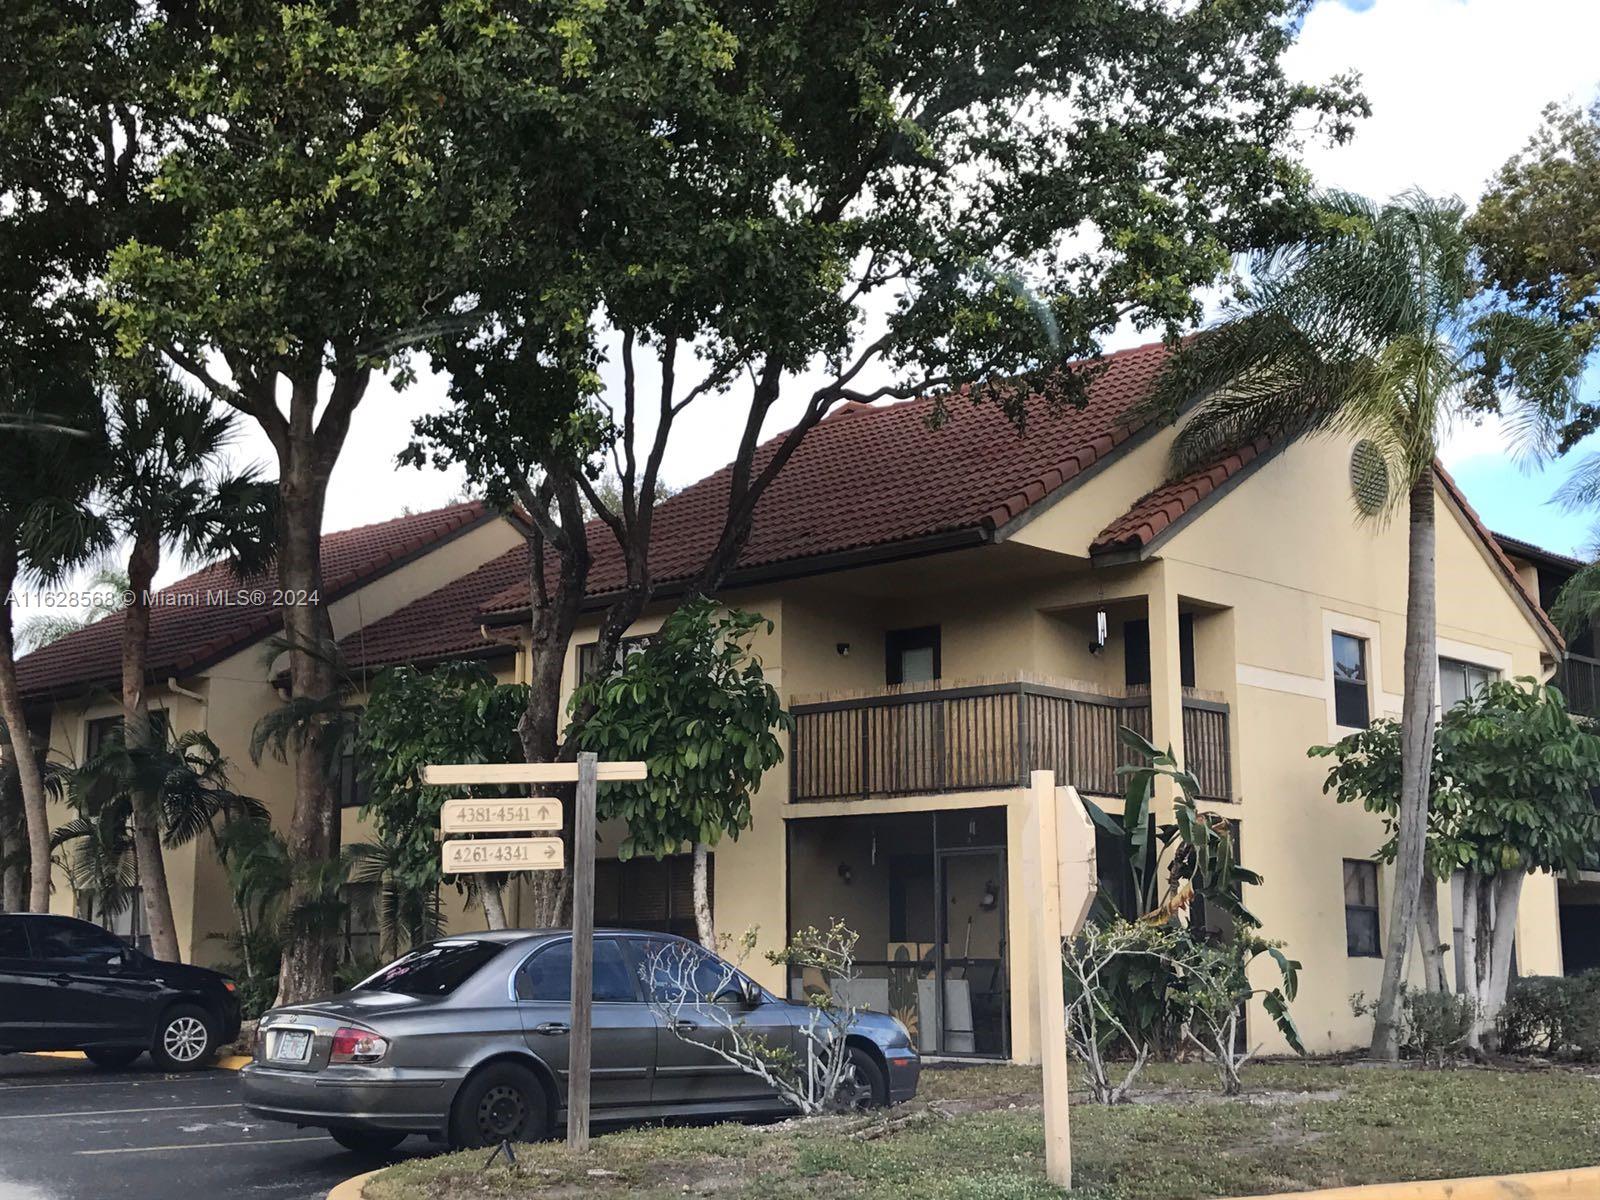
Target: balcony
[
  {"x": 963, "y": 739},
  {"x": 1578, "y": 677}
]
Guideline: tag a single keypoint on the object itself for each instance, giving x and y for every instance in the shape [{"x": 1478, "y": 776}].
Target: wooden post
[
  {"x": 1047, "y": 972},
  {"x": 579, "y": 1040}
]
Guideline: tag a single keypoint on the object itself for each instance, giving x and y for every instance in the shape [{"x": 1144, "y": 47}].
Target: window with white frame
[
  {"x": 1352, "y": 704},
  {"x": 1460, "y": 681}
]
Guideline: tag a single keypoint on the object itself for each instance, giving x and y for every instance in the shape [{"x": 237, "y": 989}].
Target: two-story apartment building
[{"x": 954, "y": 607}]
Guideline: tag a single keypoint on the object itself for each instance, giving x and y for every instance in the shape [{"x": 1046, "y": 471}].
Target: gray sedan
[{"x": 465, "y": 1040}]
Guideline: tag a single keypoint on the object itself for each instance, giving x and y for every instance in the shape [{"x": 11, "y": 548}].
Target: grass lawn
[{"x": 976, "y": 1132}]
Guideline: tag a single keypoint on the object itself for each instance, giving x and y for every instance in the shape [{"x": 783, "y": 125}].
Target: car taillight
[{"x": 352, "y": 1045}]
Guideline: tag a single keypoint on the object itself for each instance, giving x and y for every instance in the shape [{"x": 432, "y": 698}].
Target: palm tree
[
  {"x": 1369, "y": 329},
  {"x": 107, "y": 585},
  {"x": 46, "y": 530},
  {"x": 184, "y": 777},
  {"x": 162, "y": 487}
]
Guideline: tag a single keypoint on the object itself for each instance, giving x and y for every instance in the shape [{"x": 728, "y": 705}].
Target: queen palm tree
[
  {"x": 163, "y": 486},
  {"x": 1370, "y": 329}
]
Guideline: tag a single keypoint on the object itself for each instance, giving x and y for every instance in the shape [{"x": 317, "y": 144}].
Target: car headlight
[{"x": 354, "y": 1045}]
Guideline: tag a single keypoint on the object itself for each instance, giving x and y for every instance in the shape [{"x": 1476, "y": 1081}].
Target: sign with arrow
[
  {"x": 522, "y": 814},
  {"x": 464, "y": 856}
]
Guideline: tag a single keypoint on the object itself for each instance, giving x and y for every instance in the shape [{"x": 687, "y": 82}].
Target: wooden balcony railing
[{"x": 989, "y": 736}]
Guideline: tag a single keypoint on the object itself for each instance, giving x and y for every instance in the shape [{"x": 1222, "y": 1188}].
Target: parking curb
[
  {"x": 228, "y": 1062},
  {"x": 351, "y": 1189},
  {"x": 1580, "y": 1183}
]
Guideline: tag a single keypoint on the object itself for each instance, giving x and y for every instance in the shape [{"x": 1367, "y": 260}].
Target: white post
[{"x": 1047, "y": 933}]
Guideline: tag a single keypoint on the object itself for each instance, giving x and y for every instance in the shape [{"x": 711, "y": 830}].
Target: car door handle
[
  {"x": 685, "y": 1026},
  {"x": 552, "y": 1028}
]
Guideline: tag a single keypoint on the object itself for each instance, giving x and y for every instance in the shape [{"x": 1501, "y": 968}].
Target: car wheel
[
  {"x": 111, "y": 1059},
  {"x": 503, "y": 1102},
  {"x": 184, "y": 1039},
  {"x": 367, "y": 1141},
  {"x": 864, "y": 1085}
]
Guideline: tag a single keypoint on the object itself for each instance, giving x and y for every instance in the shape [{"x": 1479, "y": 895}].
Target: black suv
[{"x": 69, "y": 985}]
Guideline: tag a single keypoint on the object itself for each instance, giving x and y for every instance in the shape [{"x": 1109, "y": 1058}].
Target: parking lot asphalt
[{"x": 70, "y": 1131}]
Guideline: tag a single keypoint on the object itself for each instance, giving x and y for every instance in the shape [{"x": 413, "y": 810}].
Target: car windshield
[{"x": 435, "y": 970}]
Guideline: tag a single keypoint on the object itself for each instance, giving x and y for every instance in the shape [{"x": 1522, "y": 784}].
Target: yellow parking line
[
  {"x": 58, "y": 1054},
  {"x": 234, "y": 1145},
  {"x": 232, "y": 1062},
  {"x": 228, "y": 1062}
]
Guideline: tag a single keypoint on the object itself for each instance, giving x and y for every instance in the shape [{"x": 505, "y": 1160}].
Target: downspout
[{"x": 205, "y": 705}]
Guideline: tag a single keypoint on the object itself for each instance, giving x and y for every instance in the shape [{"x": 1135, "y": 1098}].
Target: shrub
[
  {"x": 1549, "y": 1014},
  {"x": 1434, "y": 1026}
]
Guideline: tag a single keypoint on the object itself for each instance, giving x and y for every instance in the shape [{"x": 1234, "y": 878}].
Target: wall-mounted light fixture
[
  {"x": 990, "y": 897},
  {"x": 842, "y": 648}
]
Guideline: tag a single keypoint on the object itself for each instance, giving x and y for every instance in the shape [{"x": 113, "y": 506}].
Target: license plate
[{"x": 294, "y": 1045}]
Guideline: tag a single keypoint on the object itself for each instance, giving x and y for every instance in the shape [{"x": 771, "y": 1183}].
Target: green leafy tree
[
  {"x": 71, "y": 186},
  {"x": 1514, "y": 773},
  {"x": 1367, "y": 329},
  {"x": 163, "y": 485},
  {"x": 695, "y": 706},
  {"x": 1534, "y": 230},
  {"x": 333, "y": 175},
  {"x": 806, "y": 206},
  {"x": 106, "y": 586},
  {"x": 456, "y": 713}
]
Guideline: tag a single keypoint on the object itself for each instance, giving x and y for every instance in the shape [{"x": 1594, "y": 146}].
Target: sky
[{"x": 1456, "y": 86}]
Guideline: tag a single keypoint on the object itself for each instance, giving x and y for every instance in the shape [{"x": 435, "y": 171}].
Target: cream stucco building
[{"x": 953, "y": 607}]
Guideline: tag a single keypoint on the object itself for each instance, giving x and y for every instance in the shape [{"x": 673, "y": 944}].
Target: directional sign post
[{"x": 534, "y": 814}]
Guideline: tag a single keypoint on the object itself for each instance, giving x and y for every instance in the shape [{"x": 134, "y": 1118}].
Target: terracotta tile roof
[
  {"x": 441, "y": 625},
  {"x": 1158, "y": 510},
  {"x": 878, "y": 477},
  {"x": 201, "y": 618},
  {"x": 1498, "y": 556},
  {"x": 1538, "y": 554}
]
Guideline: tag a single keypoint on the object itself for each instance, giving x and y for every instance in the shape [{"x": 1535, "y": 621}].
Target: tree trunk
[
  {"x": 494, "y": 909},
  {"x": 36, "y": 813},
  {"x": 1416, "y": 764},
  {"x": 137, "y": 735},
  {"x": 1473, "y": 936},
  {"x": 704, "y": 929},
  {"x": 13, "y": 841},
  {"x": 304, "y": 467},
  {"x": 554, "y": 616},
  {"x": 1507, "y": 891},
  {"x": 1428, "y": 940}
]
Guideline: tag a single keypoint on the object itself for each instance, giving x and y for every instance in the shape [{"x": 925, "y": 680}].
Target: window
[
  {"x": 1136, "y": 651},
  {"x": 361, "y": 924},
  {"x": 1361, "y": 908},
  {"x": 127, "y": 922},
  {"x": 1351, "y": 708},
  {"x": 680, "y": 972},
  {"x": 651, "y": 894},
  {"x": 354, "y": 788},
  {"x": 547, "y": 976},
  {"x": 13, "y": 939},
  {"x": 435, "y": 970},
  {"x": 589, "y": 655},
  {"x": 97, "y": 733},
  {"x": 911, "y": 655},
  {"x": 60, "y": 940},
  {"x": 1460, "y": 681}
]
